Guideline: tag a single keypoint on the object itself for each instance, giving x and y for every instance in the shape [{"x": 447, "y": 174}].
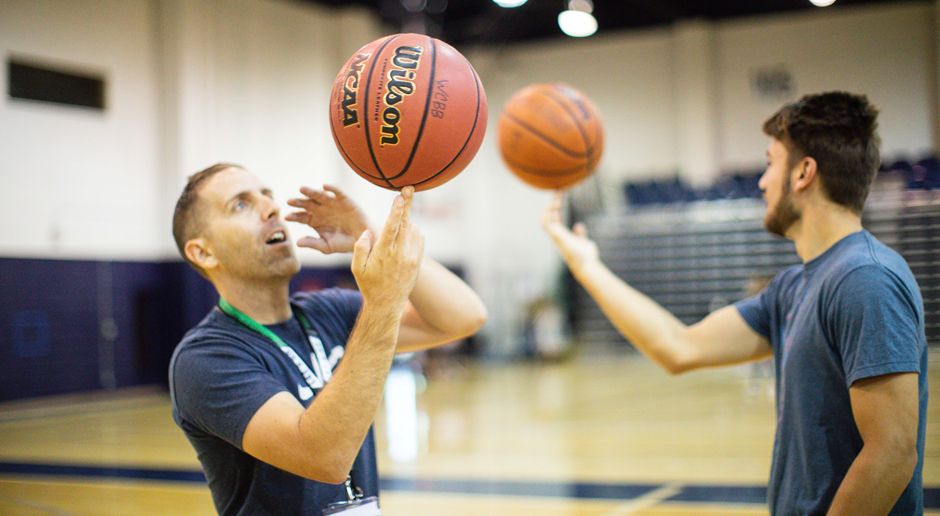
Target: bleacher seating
[{"x": 691, "y": 249}]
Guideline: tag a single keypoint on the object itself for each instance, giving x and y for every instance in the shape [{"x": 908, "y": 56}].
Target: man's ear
[
  {"x": 805, "y": 173},
  {"x": 199, "y": 252}
]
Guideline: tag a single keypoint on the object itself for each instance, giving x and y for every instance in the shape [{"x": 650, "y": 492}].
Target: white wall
[
  {"x": 885, "y": 52},
  {"x": 193, "y": 82},
  {"x": 249, "y": 82},
  {"x": 78, "y": 182}
]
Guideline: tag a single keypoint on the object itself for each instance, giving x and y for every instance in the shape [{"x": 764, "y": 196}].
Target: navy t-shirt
[
  {"x": 222, "y": 373},
  {"x": 853, "y": 312}
]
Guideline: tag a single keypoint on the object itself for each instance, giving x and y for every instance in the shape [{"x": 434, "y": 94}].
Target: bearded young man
[
  {"x": 277, "y": 392},
  {"x": 846, "y": 327}
]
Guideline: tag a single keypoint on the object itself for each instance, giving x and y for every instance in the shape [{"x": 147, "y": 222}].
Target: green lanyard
[{"x": 320, "y": 362}]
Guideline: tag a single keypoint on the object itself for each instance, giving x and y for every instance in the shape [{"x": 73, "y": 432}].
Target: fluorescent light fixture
[
  {"x": 822, "y": 3},
  {"x": 509, "y": 3},
  {"x": 577, "y": 24},
  {"x": 581, "y": 5}
]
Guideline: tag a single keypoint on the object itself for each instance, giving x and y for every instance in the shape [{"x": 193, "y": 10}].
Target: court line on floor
[
  {"x": 639, "y": 493},
  {"x": 22, "y": 503},
  {"x": 647, "y": 500}
]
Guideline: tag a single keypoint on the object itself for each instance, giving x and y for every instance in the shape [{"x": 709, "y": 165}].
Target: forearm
[
  {"x": 656, "y": 332},
  {"x": 445, "y": 302},
  {"x": 874, "y": 483},
  {"x": 344, "y": 410}
]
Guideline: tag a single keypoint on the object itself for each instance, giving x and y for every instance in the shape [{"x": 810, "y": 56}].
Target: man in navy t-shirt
[
  {"x": 846, "y": 328},
  {"x": 277, "y": 393}
]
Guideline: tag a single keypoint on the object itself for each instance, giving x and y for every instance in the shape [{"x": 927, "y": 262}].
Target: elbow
[
  {"x": 329, "y": 470},
  {"x": 478, "y": 319},
  {"x": 472, "y": 320},
  {"x": 898, "y": 453},
  {"x": 908, "y": 456},
  {"x": 677, "y": 363},
  {"x": 676, "y": 367},
  {"x": 328, "y": 477},
  {"x": 333, "y": 477}
]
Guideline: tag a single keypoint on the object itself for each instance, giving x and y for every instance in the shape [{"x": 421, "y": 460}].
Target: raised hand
[
  {"x": 575, "y": 247},
  {"x": 338, "y": 220},
  {"x": 386, "y": 268}
]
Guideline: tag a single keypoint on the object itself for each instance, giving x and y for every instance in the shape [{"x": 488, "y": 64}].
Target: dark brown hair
[
  {"x": 187, "y": 217},
  {"x": 839, "y": 131}
]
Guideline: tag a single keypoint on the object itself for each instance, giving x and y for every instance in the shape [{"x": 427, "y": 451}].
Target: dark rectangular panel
[{"x": 32, "y": 81}]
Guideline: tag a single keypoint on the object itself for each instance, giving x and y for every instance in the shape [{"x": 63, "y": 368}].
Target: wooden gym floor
[{"x": 602, "y": 434}]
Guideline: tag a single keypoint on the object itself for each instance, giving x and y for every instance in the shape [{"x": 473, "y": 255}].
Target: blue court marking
[
  {"x": 731, "y": 494},
  {"x": 510, "y": 488},
  {"x": 101, "y": 472},
  {"x": 736, "y": 494}
]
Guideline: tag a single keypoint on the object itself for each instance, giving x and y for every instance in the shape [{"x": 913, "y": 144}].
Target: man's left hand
[{"x": 338, "y": 220}]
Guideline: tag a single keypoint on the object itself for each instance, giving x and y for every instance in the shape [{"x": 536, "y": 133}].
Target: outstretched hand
[
  {"x": 574, "y": 245},
  {"x": 386, "y": 268},
  {"x": 338, "y": 220}
]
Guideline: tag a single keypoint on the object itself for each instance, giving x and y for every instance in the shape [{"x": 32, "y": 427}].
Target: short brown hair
[
  {"x": 187, "y": 219},
  {"x": 839, "y": 131}
]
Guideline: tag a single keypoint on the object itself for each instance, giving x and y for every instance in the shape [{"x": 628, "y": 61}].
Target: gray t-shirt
[
  {"x": 854, "y": 312},
  {"x": 220, "y": 375}
]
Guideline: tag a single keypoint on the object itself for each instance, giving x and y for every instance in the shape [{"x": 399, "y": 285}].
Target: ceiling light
[
  {"x": 822, "y": 3},
  {"x": 585, "y": 6},
  {"x": 509, "y": 3},
  {"x": 577, "y": 24}
]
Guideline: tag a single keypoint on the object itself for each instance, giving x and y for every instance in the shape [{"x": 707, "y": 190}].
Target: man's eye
[{"x": 240, "y": 205}]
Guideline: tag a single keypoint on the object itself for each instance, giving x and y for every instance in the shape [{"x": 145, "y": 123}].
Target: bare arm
[
  {"x": 886, "y": 413},
  {"x": 721, "y": 338},
  {"x": 442, "y": 309},
  {"x": 322, "y": 441}
]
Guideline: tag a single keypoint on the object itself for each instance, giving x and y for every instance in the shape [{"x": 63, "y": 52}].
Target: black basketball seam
[
  {"x": 542, "y": 136},
  {"x": 539, "y": 172},
  {"x": 368, "y": 99},
  {"x": 574, "y": 117},
  {"x": 424, "y": 116},
  {"x": 349, "y": 160},
  {"x": 346, "y": 156},
  {"x": 466, "y": 142}
]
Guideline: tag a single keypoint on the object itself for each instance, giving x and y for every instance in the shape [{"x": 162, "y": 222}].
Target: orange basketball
[
  {"x": 408, "y": 109},
  {"x": 550, "y": 136}
]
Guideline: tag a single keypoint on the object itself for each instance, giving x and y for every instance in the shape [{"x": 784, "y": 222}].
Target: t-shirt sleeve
[
  {"x": 346, "y": 302},
  {"x": 334, "y": 309},
  {"x": 874, "y": 322},
  {"x": 756, "y": 311},
  {"x": 218, "y": 387}
]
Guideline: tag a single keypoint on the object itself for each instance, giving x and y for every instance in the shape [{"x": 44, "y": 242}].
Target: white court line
[
  {"x": 22, "y": 503},
  {"x": 647, "y": 500}
]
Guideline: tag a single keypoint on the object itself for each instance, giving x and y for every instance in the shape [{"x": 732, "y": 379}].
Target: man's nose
[{"x": 270, "y": 209}]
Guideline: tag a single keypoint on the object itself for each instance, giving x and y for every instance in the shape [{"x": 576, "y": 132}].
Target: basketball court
[{"x": 605, "y": 433}]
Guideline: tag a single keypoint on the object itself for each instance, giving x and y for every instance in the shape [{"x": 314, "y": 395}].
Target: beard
[{"x": 784, "y": 214}]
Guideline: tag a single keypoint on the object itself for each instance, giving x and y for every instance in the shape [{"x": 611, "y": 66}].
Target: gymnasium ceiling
[{"x": 469, "y": 22}]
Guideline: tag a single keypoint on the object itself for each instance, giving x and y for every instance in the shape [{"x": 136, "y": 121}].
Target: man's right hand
[
  {"x": 575, "y": 247},
  {"x": 386, "y": 268}
]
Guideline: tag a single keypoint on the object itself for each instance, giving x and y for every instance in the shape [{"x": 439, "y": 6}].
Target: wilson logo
[{"x": 400, "y": 85}]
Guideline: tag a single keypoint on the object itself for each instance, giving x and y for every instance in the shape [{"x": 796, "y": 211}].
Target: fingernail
[{"x": 399, "y": 201}]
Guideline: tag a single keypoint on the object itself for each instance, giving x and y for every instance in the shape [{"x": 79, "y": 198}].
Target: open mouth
[{"x": 277, "y": 238}]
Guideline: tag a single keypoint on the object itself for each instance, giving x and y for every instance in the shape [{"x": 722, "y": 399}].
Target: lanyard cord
[
  {"x": 312, "y": 380},
  {"x": 353, "y": 493}
]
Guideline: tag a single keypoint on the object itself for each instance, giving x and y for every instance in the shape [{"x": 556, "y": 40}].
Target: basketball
[
  {"x": 408, "y": 109},
  {"x": 550, "y": 136}
]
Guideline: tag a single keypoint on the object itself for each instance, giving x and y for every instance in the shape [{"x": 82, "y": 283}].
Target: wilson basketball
[
  {"x": 408, "y": 109},
  {"x": 550, "y": 136}
]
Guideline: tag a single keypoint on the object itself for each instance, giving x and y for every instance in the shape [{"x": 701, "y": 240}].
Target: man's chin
[
  {"x": 286, "y": 267},
  {"x": 779, "y": 225}
]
